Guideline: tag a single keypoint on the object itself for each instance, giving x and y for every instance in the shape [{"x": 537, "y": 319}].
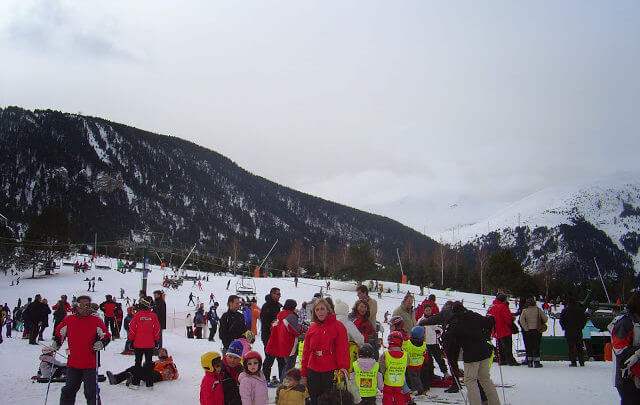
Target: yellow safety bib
[
  {"x": 415, "y": 353},
  {"x": 395, "y": 369},
  {"x": 300, "y": 348},
  {"x": 353, "y": 354},
  {"x": 367, "y": 381}
]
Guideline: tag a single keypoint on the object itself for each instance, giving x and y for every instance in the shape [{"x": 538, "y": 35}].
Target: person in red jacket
[
  {"x": 86, "y": 334},
  {"x": 108, "y": 307},
  {"x": 282, "y": 342},
  {"x": 431, "y": 301},
  {"x": 211, "y": 392},
  {"x": 144, "y": 332},
  {"x": 65, "y": 304},
  {"x": 326, "y": 349},
  {"x": 502, "y": 331}
]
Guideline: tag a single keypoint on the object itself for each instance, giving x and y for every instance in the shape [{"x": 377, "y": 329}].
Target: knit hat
[
  {"x": 341, "y": 307},
  {"x": 235, "y": 348}
]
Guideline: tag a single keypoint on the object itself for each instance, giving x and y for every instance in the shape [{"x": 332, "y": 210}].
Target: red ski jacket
[
  {"x": 364, "y": 326},
  {"x": 211, "y": 392},
  {"x": 144, "y": 330},
  {"x": 82, "y": 334},
  {"x": 108, "y": 307},
  {"x": 67, "y": 307},
  {"x": 503, "y": 317},
  {"x": 326, "y": 347},
  {"x": 283, "y": 334}
]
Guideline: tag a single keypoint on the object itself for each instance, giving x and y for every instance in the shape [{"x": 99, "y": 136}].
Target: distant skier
[
  {"x": 211, "y": 298},
  {"x": 295, "y": 281},
  {"x": 228, "y": 283},
  {"x": 199, "y": 285},
  {"x": 89, "y": 286},
  {"x": 121, "y": 293},
  {"x": 93, "y": 286},
  {"x": 191, "y": 300}
]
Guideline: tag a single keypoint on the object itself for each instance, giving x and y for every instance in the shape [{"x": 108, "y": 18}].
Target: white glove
[
  {"x": 630, "y": 362},
  {"x": 97, "y": 346}
]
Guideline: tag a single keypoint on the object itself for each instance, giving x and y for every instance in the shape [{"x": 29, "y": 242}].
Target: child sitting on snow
[
  {"x": 253, "y": 385},
  {"x": 50, "y": 368}
]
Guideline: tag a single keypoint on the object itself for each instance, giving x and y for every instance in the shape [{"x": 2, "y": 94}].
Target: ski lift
[{"x": 245, "y": 286}]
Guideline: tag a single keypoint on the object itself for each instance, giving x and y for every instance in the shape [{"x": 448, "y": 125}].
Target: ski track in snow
[{"x": 555, "y": 383}]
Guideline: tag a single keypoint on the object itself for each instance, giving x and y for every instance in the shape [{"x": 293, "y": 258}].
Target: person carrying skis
[{"x": 86, "y": 334}]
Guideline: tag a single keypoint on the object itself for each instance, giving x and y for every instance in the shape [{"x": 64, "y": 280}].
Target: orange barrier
[
  {"x": 404, "y": 279},
  {"x": 608, "y": 352}
]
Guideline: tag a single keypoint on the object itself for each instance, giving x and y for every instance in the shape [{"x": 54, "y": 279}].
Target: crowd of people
[{"x": 321, "y": 349}]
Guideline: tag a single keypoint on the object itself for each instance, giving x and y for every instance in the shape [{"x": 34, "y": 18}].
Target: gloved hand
[
  {"x": 156, "y": 344},
  {"x": 630, "y": 362},
  {"x": 97, "y": 346}
]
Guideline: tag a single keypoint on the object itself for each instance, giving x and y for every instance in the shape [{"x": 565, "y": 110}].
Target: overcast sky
[{"x": 400, "y": 107}]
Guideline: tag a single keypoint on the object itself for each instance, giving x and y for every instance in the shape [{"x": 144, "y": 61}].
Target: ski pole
[
  {"x": 55, "y": 351},
  {"x": 97, "y": 386},
  {"x": 454, "y": 375},
  {"x": 504, "y": 397},
  {"x": 53, "y": 369}
]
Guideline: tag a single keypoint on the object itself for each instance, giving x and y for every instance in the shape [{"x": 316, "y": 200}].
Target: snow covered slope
[
  {"x": 610, "y": 205},
  {"x": 555, "y": 383}
]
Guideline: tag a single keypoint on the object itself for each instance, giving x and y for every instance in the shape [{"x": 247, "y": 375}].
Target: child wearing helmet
[
  {"x": 366, "y": 374},
  {"x": 396, "y": 324},
  {"x": 247, "y": 340},
  {"x": 211, "y": 392},
  {"x": 253, "y": 385},
  {"x": 416, "y": 349},
  {"x": 393, "y": 365}
]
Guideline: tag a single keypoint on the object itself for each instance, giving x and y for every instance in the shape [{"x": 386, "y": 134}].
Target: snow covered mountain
[
  {"x": 110, "y": 178},
  {"x": 568, "y": 225}
]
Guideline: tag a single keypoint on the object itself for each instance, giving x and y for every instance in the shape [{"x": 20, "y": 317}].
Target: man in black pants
[
  {"x": 573, "y": 320},
  {"x": 160, "y": 309},
  {"x": 87, "y": 334}
]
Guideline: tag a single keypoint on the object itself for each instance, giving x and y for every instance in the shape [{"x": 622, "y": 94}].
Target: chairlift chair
[{"x": 245, "y": 286}]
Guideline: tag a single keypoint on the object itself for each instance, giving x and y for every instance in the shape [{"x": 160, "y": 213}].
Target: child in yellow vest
[
  {"x": 416, "y": 349},
  {"x": 366, "y": 374},
  {"x": 393, "y": 365}
]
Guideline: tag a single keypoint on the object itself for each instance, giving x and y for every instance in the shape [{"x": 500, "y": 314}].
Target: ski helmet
[
  {"x": 366, "y": 350},
  {"x": 251, "y": 355},
  {"x": 396, "y": 321},
  {"x": 207, "y": 359},
  {"x": 250, "y": 337},
  {"x": 395, "y": 339},
  {"x": 417, "y": 333}
]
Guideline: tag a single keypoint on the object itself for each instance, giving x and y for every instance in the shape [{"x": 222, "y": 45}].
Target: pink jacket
[{"x": 253, "y": 389}]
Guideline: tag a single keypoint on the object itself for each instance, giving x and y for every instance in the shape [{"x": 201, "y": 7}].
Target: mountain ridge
[{"x": 131, "y": 178}]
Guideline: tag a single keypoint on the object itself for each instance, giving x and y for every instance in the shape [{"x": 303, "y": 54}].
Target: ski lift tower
[{"x": 148, "y": 242}]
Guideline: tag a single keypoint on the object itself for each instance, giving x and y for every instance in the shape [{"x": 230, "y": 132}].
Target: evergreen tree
[{"x": 47, "y": 238}]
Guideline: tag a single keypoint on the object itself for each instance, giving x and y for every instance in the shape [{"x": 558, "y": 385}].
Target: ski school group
[{"x": 326, "y": 353}]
